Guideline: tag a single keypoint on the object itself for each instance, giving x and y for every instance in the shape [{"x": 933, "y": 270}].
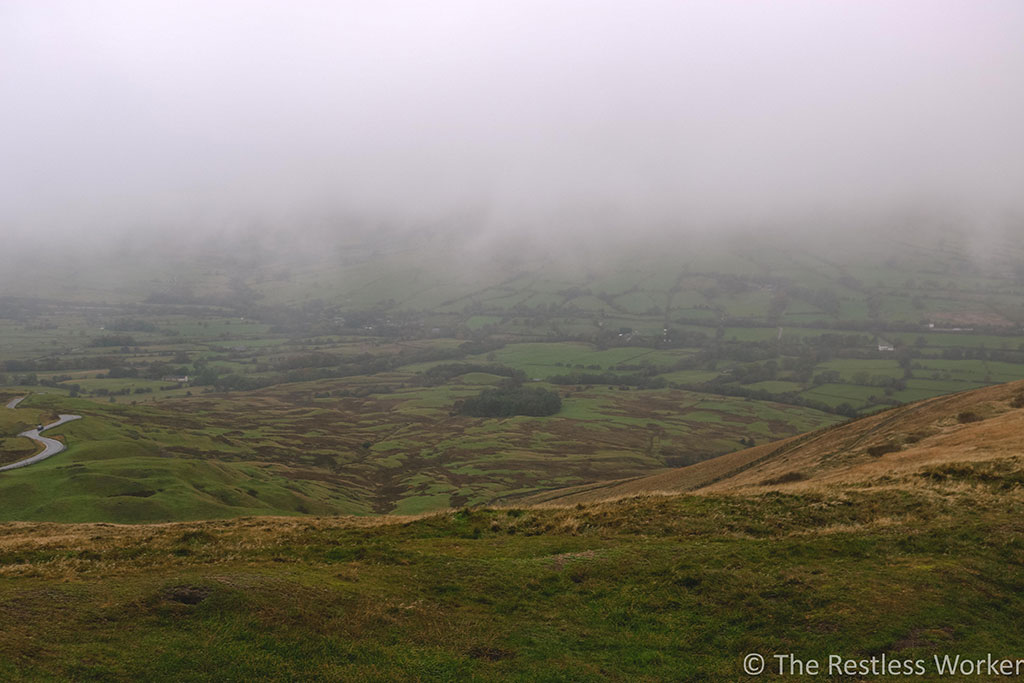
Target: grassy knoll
[{"x": 644, "y": 589}]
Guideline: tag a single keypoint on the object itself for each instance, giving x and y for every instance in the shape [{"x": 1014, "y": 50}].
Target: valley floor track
[{"x": 51, "y": 447}]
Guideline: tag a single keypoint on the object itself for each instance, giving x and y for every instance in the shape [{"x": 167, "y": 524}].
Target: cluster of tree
[{"x": 509, "y": 401}]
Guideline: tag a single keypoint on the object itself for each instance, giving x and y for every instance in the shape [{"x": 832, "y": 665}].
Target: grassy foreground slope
[
  {"x": 649, "y": 589},
  {"x": 973, "y": 437}
]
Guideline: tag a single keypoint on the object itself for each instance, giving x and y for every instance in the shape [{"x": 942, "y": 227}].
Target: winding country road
[{"x": 50, "y": 446}]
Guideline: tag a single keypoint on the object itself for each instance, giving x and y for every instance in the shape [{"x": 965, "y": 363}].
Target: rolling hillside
[
  {"x": 972, "y": 436},
  {"x": 817, "y": 545}
]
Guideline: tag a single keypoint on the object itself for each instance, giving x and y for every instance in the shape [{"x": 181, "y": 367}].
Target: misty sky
[{"x": 191, "y": 115}]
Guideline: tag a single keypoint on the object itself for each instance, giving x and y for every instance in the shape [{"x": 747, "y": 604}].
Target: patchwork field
[
  {"x": 248, "y": 385},
  {"x": 314, "y": 448}
]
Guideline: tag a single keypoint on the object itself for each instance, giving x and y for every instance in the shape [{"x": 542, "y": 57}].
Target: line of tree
[
  {"x": 638, "y": 380},
  {"x": 789, "y": 398},
  {"x": 439, "y": 374},
  {"x": 331, "y": 366},
  {"x": 114, "y": 340}
]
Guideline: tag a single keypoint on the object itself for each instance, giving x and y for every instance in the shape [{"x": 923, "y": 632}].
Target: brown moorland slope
[{"x": 975, "y": 436}]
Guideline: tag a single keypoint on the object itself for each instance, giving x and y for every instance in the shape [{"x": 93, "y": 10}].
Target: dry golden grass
[
  {"x": 76, "y": 548},
  {"x": 918, "y": 437},
  {"x": 670, "y": 482}
]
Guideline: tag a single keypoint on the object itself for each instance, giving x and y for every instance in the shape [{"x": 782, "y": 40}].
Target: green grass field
[{"x": 647, "y": 589}]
